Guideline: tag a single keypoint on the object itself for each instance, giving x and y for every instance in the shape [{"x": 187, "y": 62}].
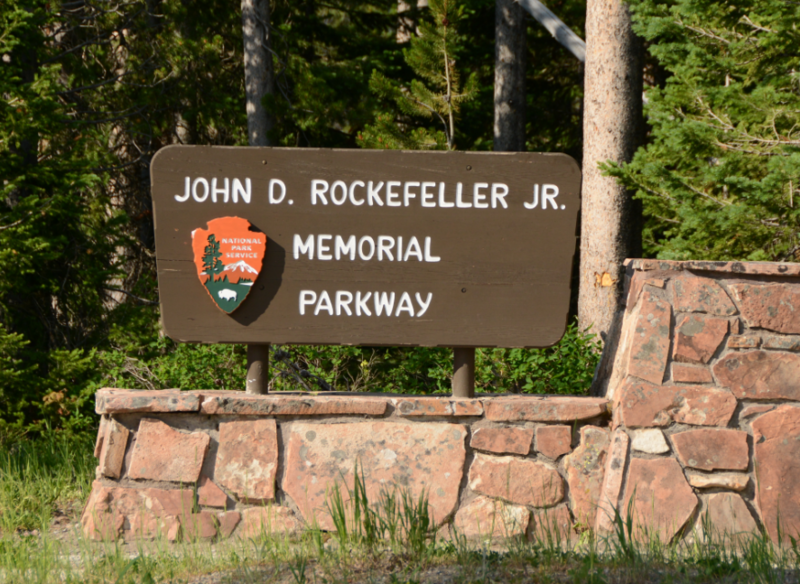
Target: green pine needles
[
  {"x": 721, "y": 174},
  {"x": 212, "y": 265},
  {"x": 435, "y": 96}
]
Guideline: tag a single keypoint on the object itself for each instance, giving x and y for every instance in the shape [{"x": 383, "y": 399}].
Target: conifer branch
[{"x": 449, "y": 90}]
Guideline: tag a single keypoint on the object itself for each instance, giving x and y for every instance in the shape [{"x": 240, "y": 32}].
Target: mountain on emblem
[{"x": 228, "y": 257}]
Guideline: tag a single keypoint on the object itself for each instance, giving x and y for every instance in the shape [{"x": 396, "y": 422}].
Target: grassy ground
[{"x": 44, "y": 483}]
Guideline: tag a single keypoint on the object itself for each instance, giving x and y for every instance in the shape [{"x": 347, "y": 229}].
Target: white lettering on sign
[
  {"x": 318, "y": 189},
  {"x": 323, "y": 249},
  {"x": 392, "y": 196},
  {"x": 427, "y": 198},
  {"x": 407, "y": 194},
  {"x": 479, "y": 197},
  {"x": 232, "y": 256},
  {"x": 383, "y": 248},
  {"x": 199, "y": 190},
  {"x": 385, "y": 245},
  {"x": 499, "y": 192},
  {"x": 393, "y": 193},
  {"x": 342, "y": 248},
  {"x": 373, "y": 195},
  {"x": 461, "y": 204},
  {"x": 549, "y": 194},
  {"x": 200, "y": 182},
  {"x": 351, "y": 192},
  {"x": 361, "y": 253},
  {"x": 342, "y": 188},
  {"x": 224, "y": 191},
  {"x": 246, "y": 191},
  {"x": 273, "y": 198},
  {"x": 346, "y": 303}
]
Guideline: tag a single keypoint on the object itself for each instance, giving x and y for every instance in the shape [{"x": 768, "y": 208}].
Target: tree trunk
[
  {"x": 258, "y": 71},
  {"x": 612, "y": 122},
  {"x": 258, "y": 82},
  {"x": 509, "y": 77}
]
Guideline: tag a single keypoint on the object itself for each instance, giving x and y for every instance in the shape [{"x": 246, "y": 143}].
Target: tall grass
[
  {"x": 42, "y": 478},
  {"x": 389, "y": 539},
  {"x": 398, "y": 519}
]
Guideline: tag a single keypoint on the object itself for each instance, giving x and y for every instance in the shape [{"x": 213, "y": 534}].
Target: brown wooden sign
[{"x": 364, "y": 247}]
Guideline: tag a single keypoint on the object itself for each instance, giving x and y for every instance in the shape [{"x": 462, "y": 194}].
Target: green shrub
[
  {"x": 63, "y": 397},
  {"x": 565, "y": 368}
]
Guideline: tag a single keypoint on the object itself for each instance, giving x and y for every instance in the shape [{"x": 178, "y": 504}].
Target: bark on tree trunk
[
  {"x": 612, "y": 122},
  {"x": 258, "y": 81},
  {"x": 258, "y": 71},
  {"x": 509, "y": 77}
]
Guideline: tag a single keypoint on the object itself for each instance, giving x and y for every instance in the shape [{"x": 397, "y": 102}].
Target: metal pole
[
  {"x": 257, "y": 369},
  {"x": 464, "y": 372}
]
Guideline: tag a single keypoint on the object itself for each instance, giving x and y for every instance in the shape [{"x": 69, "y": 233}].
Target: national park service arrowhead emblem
[{"x": 228, "y": 256}]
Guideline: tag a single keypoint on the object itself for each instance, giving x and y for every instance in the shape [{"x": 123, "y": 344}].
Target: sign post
[
  {"x": 257, "y": 368},
  {"x": 364, "y": 247},
  {"x": 464, "y": 372}
]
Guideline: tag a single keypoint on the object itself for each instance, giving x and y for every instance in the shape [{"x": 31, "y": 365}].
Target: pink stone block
[
  {"x": 682, "y": 373},
  {"x": 162, "y": 453},
  {"x": 119, "y": 401},
  {"x": 730, "y": 518},
  {"x": 553, "y": 527},
  {"x": 145, "y": 513},
  {"x": 228, "y": 522},
  {"x": 485, "y": 517},
  {"x": 585, "y": 468},
  {"x": 418, "y": 457},
  {"x": 694, "y": 294},
  {"x": 712, "y": 449},
  {"x": 644, "y": 405},
  {"x": 553, "y": 441},
  {"x": 662, "y": 499},
  {"x": 200, "y": 526},
  {"x": 437, "y": 406},
  {"x": 520, "y": 481},
  {"x": 651, "y": 338},
  {"x": 502, "y": 440},
  {"x": 611, "y": 488},
  {"x": 760, "y": 374},
  {"x": 544, "y": 409},
  {"x": 240, "y": 403},
  {"x": 776, "y": 436},
  {"x": 247, "y": 459},
  {"x": 112, "y": 451},
  {"x": 775, "y": 307},
  {"x": 697, "y": 338},
  {"x": 744, "y": 342},
  {"x": 210, "y": 495},
  {"x": 270, "y": 520}
]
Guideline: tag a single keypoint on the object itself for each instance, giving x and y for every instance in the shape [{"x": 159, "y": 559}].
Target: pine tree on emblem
[{"x": 212, "y": 265}]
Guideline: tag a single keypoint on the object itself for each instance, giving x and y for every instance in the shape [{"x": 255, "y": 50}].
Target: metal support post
[
  {"x": 257, "y": 369},
  {"x": 464, "y": 372}
]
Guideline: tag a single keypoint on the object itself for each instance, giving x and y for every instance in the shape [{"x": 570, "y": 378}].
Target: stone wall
[
  {"x": 704, "y": 387},
  {"x": 698, "y": 414},
  {"x": 199, "y": 464}
]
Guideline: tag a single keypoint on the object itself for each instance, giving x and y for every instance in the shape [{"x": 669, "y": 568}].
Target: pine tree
[
  {"x": 720, "y": 177},
  {"x": 436, "y": 95},
  {"x": 212, "y": 265}
]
